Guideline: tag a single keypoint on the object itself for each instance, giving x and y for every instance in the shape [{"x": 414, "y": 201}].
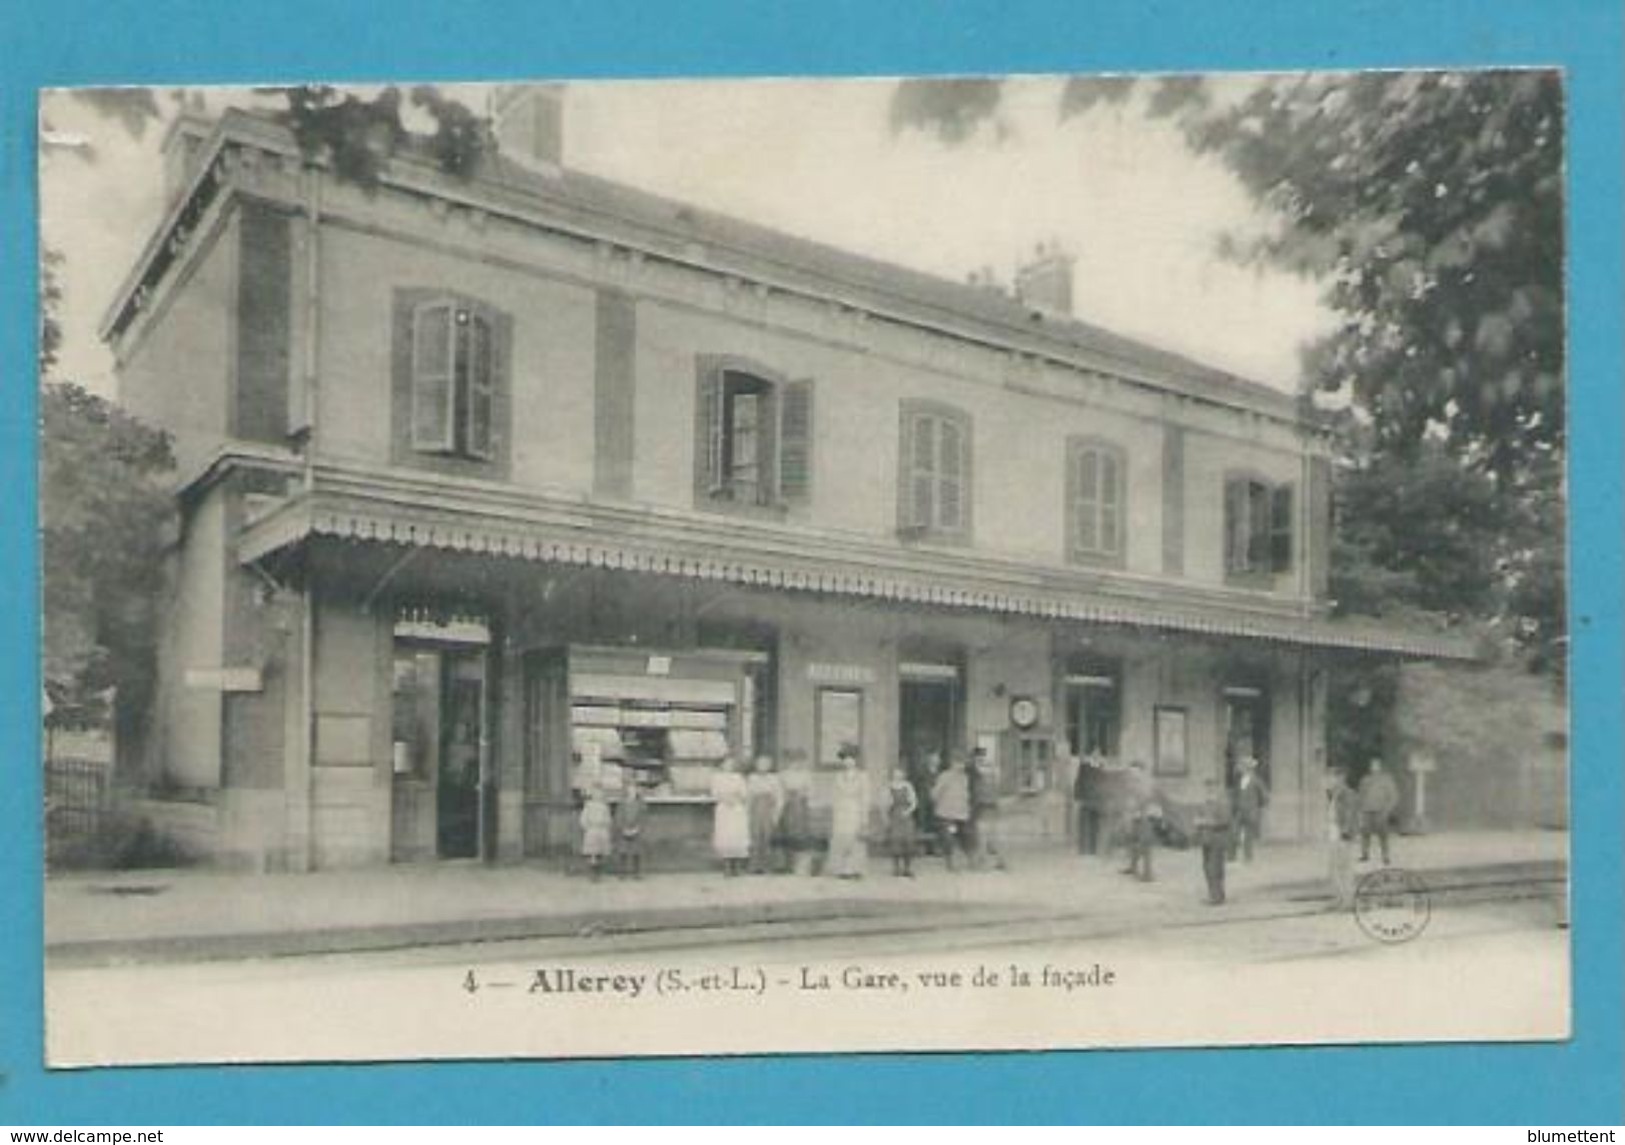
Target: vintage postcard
[{"x": 720, "y": 567}]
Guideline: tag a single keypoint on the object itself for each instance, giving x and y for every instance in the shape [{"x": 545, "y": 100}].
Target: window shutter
[
  {"x": 433, "y": 348},
  {"x": 950, "y": 476},
  {"x": 795, "y": 443},
  {"x": 1071, "y": 501},
  {"x": 768, "y": 404},
  {"x": 922, "y": 504},
  {"x": 1235, "y": 525},
  {"x": 707, "y": 431},
  {"x": 1259, "y": 505},
  {"x": 481, "y": 373},
  {"x": 967, "y": 476},
  {"x": 1110, "y": 490},
  {"x": 905, "y": 470},
  {"x": 1281, "y": 528},
  {"x": 1088, "y": 504}
]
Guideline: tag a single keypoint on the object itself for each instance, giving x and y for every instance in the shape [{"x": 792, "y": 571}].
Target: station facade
[{"x": 497, "y": 486}]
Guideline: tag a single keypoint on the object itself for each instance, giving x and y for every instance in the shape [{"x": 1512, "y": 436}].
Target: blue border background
[{"x": 169, "y": 42}]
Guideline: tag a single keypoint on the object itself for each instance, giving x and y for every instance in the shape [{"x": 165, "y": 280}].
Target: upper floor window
[
  {"x": 934, "y": 488},
  {"x": 453, "y": 350},
  {"x": 1258, "y": 532},
  {"x": 1096, "y": 497},
  {"x": 450, "y": 390},
  {"x": 754, "y": 436}
]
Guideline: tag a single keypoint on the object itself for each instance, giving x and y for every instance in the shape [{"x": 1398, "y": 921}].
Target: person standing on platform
[
  {"x": 849, "y": 811},
  {"x": 950, "y": 795},
  {"x": 629, "y": 831},
  {"x": 766, "y": 796},
  {"x": 1144, "y": 812},
  {"x": 985, "y": 810},
  {"x": 730, "y": 829},
  {"x": 1213, "y": 836},
  {"x": 795, "y": 820},
  {"x": 1251, "y": 795},
  {"x": 902, "y": 803},
  {"x": 595, "y": 829},
  {"x": 1379, "y": 799},
  {"x": 1088, "y": 789},
  {"x": 1342, "y": 824}
]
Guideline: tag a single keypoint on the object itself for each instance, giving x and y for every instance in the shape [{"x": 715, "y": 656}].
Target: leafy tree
[
  {"x": 106, "y": 524},
  {"x": 359, "y": 135},
  {"x": 1429, "y": 205}
]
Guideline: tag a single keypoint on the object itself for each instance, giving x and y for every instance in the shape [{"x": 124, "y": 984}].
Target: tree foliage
[
  {"x": 1429, "y": 206},
  {"x": 358, "y": 135},
  {"x": 106, "y": 524}
]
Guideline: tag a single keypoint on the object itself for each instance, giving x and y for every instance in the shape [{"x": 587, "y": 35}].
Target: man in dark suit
[
  {"x": 1213, "y": 834},
  {"x": 1088, "y": 791},
  {"x": 1250, "y": 797}
]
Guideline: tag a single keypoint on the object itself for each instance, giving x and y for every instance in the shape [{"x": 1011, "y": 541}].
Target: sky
[{"x": 1141, "y": 213}]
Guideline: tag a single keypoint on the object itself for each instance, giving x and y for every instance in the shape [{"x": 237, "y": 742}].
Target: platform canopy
[{"x": 384, "y": 507}]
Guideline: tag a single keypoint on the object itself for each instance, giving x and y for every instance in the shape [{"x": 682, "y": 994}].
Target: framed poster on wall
[
  {"x": 1172, "y": 745},
  {"x": 840, "y": 721}
]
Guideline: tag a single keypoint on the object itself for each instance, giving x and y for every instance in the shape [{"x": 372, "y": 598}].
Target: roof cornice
[{"x": 540, "y": 201}]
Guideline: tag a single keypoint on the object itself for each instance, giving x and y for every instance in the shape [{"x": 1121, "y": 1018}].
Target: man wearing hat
[{"x": 1251, "y": 794}]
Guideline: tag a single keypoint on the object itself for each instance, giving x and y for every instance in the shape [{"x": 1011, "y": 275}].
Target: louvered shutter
[
  {"x": 1259, "y": 520},
  {"x": 707, "y": 431},
  {"x": 1281, "y": 528},
  {"x": 950, "y": 476},
  {"x": 923, "y": 493},
  {"x": 1088, "y": 504},
  {"x": 433, "y": 351},
  {"x": 967, "y": 478},
  {"x": 795, "y": 443},
  {"x": 480, "y": 372},
  {"x": 1235, "y": 525},
  {"x": 905, "y": 471},
  {"x": 1110, "y": 492},
  {"x": 1072, "y": 501}
]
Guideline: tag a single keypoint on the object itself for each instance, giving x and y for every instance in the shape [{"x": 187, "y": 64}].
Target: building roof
[
  {"x": 681, "y": 232},
  {"x": 995, "y": 310}
]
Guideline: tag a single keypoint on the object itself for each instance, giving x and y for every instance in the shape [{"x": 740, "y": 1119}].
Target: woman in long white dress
[
  {"x": 850, "y": 809},
  {"x": 730, "y": 830}
]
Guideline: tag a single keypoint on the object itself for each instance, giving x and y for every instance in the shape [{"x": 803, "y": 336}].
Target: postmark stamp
[{"x": 1392, "y": 905}]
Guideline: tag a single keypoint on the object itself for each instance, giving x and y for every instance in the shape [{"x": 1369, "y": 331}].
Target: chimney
[
  {"x": 529, "y": 124},
  {"x": 1045, "y": 283},
  {"x": 182, "y": 150}
]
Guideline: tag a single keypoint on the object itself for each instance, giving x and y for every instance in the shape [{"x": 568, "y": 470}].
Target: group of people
[
  {"x": 613, "y": 836},
  {"x": 1364, "y": 812},
  {"x": 1127, "y": 809},
  {"x": 763, "y": 821}
]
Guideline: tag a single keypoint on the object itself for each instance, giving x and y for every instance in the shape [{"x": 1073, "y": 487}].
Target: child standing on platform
[
  {"x": 629, "y": 831},
  {"x": 900, "y": 839},
  {"x": 595, "y": 827}
]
